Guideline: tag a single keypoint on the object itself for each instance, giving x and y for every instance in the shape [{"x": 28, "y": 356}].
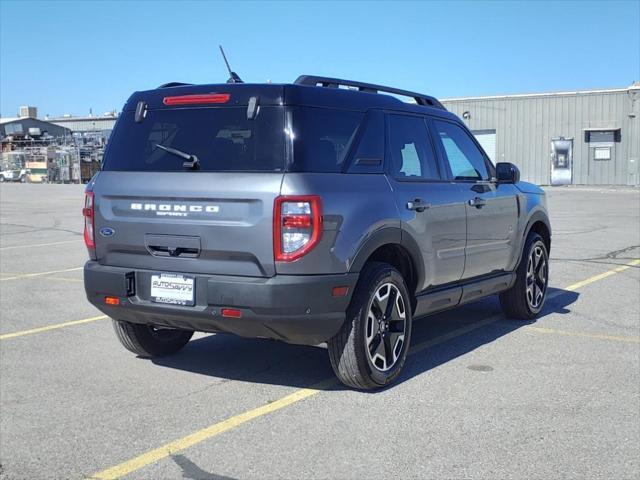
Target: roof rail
[
  {"x": 174, "y": 84},
  {"x": 314, "y": 81}
]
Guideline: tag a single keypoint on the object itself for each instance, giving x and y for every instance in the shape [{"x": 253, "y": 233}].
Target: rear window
[
  {"x": 223, "y": 139},
  {"x": 322, "y": 138}
]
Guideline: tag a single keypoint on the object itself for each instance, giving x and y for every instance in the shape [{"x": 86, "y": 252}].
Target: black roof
[{"x": 307, "y": 90}]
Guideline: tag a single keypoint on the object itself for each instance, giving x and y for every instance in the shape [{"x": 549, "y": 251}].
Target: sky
[{"x": 70, "y": 57}]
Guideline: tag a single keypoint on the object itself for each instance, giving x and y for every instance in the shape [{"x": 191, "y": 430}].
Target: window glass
[
  {"x": 222, "y": 139},
  {"x": 411, "y": 150},
  {"x": 465, "y": 158},
  {"x": 601, "y": 137},
  {"x": 321, "y": 138},
  {"x": 369, "y": 153}
]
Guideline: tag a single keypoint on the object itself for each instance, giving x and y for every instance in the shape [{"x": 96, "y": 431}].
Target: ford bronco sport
[{"x": 325, "y": 210}]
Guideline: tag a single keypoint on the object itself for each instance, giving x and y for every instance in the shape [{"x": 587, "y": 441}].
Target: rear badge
[{"x": 107, "y": 232}]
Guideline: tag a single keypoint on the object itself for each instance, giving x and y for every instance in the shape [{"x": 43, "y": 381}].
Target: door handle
[
  {"x": 418, "y": 205},
  {"x": 477, "y": 202}
]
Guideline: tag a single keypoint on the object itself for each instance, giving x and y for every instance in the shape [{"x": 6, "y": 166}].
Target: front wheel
[
  {"x": 371, "y": 348},
  {"x": 527, "y": 296},
  {"x": 149, "y": 341}
]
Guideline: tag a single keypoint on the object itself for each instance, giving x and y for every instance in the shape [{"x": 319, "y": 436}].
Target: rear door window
[
  {"x": 411, "y": 150},
  {"x": 322, "y": 138},
  {"x": 223, "y": 139}
]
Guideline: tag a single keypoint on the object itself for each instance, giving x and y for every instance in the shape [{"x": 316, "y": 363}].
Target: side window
[
  {"x": 322, "y": 138},
  {"x": 368, "y": 155},
  {"x": 410, "y": 147},
  {"x": 465, "y": 158}
]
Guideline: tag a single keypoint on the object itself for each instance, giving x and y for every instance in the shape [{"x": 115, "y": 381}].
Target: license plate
[{"x": 172, "y": 289}]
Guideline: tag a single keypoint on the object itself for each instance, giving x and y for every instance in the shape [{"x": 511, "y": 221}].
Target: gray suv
[{"x": 325, "y": 210}]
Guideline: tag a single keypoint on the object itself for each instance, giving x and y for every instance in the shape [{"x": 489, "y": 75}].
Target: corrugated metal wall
[
  {"x": 526, "y": 125},
  {"x": 86, "y": 124}
]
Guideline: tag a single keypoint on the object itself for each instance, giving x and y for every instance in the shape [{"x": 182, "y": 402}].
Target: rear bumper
[{"x": 293, "y": 308}]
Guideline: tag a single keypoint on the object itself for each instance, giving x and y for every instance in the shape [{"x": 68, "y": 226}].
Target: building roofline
[
  {"x": 81, "y": 119},
  {"x": 544, "y": 94}
]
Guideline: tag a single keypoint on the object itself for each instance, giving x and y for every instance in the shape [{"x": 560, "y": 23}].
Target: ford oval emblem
[{"x": 107, "y": 232}]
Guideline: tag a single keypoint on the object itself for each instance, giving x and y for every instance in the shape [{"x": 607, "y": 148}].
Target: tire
[
  {"x": 361, "y": 356},
  {"x": 23, "y": 179},
  {"x": 147, "y": 341},
  {"x": 1, "y": 178},
  {"x": 525, "y": 299}
]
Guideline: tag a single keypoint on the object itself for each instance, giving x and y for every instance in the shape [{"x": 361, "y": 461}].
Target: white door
[{"x": 487, "y": 139}]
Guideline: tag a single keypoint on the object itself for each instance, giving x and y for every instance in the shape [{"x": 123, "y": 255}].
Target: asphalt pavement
[{"x": 480, "y": 396}]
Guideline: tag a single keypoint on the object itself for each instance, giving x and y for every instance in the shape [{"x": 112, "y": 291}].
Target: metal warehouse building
[{"x": 584, "y": 138}]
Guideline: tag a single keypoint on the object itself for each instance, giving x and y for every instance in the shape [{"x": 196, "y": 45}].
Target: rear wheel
[
  {"x": 149, "y": 341},
  {"x": 371, "y": 348},
  {"x": 527, "y": 296}
]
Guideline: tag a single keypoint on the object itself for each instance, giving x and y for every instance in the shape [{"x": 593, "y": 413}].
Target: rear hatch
[{"x": 158, "y": 209}]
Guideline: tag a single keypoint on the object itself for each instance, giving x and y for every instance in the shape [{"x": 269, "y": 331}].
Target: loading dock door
[{"x": 487, "y": 139}]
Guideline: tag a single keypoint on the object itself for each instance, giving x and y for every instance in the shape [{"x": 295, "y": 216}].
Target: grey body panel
[
  {"x": 492, "y": 229},
  {"x": 439, "y": 230},
  {"x": 235, "y": 237},
  {"x": 356, "y": 209}
]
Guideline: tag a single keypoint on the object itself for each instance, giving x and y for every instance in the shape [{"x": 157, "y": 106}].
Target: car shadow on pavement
[{"x": 229, "y": 357}]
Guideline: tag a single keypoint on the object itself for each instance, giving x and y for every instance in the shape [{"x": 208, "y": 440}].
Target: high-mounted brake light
[
  {"x": 88, "y": 213},
  {"x": 297, "y": 226},
  {"x": 197, "y": 99}
]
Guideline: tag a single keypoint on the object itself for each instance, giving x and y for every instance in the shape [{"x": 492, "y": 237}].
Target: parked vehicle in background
[
  {"x": 319, "y": 211},
  {"x": 13, "y": 168}
]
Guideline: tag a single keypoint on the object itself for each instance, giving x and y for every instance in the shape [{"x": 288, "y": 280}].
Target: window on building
[
  {"x": 602, "y": 136},
  {"x": 602, "y": 153}
]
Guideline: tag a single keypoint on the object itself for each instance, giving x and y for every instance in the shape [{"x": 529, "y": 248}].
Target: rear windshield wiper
[{"x": 191, "y": 160}]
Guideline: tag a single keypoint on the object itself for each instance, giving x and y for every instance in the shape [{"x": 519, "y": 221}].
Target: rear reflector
[
  {"x": 231, "y": 313},
  {"x": 88, "y": 212},
  {"x": 197, "y": 99},
  {"x": 112, "y": 301},
  {"x": 339, "y": 291}
]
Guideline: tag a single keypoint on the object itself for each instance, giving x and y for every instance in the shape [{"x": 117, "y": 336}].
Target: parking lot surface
[{"x": 480, "y": 396}]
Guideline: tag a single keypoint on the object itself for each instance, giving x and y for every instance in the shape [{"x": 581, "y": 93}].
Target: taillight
[
  {"x": 88, "y": 213},
  {"x": 297, "y": 226},
  {"x": 197, "y": 99}
]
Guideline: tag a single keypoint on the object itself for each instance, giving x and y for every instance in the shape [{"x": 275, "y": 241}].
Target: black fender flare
[
  {"x": 537, "y": 216},
  {"x": 390, "y": 236}
]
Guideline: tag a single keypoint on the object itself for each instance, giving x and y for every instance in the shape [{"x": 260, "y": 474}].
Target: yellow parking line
[
  {"x": 22, "y": 333},
  {"x": 206, "y": 433},
  {"x": 597, "y": 336},
  {"x": 600, "y": 276},
  {"x": 39, "y": 274},
  {"x": 164, "y": 451},
  {"x": 78, "y": 240}
]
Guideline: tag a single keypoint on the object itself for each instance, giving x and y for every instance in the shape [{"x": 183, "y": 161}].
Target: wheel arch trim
[{"x": 395, "y": 237}]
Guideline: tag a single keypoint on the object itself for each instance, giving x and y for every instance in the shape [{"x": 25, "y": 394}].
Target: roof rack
[
  {"x": 174, "y": 84},
  {"x": 314, "y": 81}
]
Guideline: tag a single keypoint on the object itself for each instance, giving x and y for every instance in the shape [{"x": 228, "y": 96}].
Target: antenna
[{"x": 233, "y": 76}]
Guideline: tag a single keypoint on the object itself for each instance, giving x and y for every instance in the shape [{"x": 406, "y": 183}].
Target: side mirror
[{"x": 507, "y": 173}]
